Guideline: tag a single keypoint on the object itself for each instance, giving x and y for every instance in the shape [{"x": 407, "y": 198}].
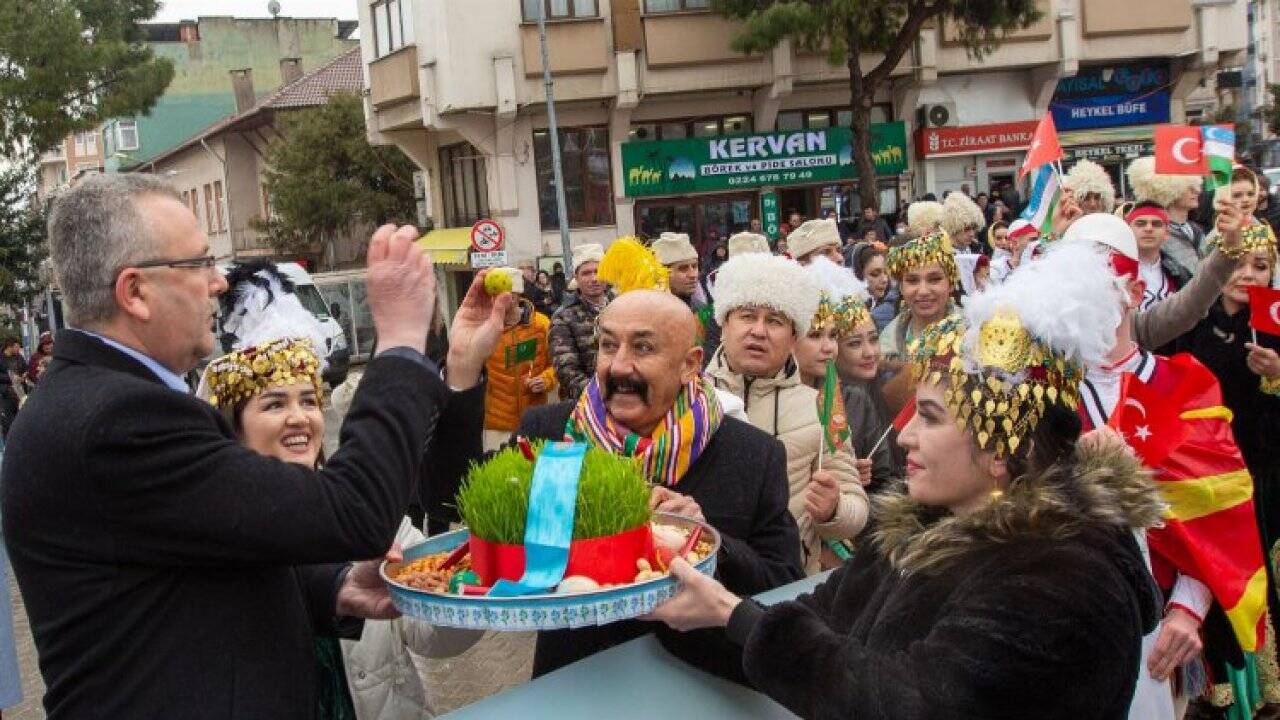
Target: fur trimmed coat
[{"x": 1032, "y": 606}]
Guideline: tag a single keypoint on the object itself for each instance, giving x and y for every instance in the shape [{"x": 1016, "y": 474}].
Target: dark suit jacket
[
  {"x": 156, "y": 554},
  {"x": 740, "y": 481}
]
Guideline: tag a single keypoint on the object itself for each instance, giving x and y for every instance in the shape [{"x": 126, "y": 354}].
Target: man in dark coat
[
  {"x": 169, "y": 571},
  {"x": 647, "y": 356}
]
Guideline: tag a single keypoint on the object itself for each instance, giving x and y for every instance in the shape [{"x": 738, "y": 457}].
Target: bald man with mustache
[{"x": 648, "y": 376}]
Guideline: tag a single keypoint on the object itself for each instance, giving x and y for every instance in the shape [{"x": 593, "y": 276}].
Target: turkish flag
[
  {"x": 1045, "y": 147},
  {"x": 1264, "y": 310},
  {"x": 1179, "y": 150},
  {"x": 904, "y": 416},
  {"x": 1148, "y": 420}
]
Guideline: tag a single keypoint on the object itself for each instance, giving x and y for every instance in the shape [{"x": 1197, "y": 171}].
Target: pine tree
[
  {"x": 65, "y": 65},
  {"x": 845, "y": 29},
  {"x": 325, "y": 177}
]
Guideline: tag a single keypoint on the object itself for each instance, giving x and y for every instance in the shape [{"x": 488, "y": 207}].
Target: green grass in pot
[{"x": 613, "y": 496}]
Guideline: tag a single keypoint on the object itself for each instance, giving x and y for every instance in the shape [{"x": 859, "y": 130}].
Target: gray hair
[{"x": 95, "y": 231}]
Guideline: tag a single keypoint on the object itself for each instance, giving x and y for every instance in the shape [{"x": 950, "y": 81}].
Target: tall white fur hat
[
  {"x": 754, "y": 279},
  {"x": 748, "y": 242},
  {"x": 1087, "y": 176},
  {"x": 924, "y": 217},
  {"x": 591, "y": 252},
  {"x": 813, "y": 235},
  {"x": 1105, "y": 229},
  {"x": 1163, "y": 189},
  {"x": 959, "y": 213},
  {"x": 672, "y": 248}
]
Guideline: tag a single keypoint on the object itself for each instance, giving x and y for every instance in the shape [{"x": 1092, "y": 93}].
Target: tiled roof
[{"x": 343, "y": 73}]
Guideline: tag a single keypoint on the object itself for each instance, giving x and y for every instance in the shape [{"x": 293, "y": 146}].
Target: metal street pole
[{"x": 562, "y": 214}]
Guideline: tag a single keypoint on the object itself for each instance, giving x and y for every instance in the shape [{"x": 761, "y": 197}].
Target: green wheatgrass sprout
[{"x": 613, "y": 496}]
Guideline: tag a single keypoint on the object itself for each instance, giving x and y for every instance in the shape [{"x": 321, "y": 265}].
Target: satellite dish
[{"x": 273, "y": 7}]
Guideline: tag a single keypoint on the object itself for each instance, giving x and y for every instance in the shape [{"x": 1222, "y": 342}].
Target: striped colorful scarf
[{"x": 671, "y": 449}]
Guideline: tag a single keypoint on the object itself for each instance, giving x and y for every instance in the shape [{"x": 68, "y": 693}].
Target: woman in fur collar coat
[{"x": 1006, "y": 580}]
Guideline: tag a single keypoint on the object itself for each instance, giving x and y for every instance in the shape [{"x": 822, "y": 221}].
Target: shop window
[
  {"x": 643, "y": 131},
  {"x": 588, "y": 182},
  {"x": 392, "y": 25},
  {"x": 560, "y": 9},
  {"x": 737, "y": 124},
  {"x": 829, "y": 117},
  {"x": 705, "y": 128},
  {"x": 790, "y": 121},
  {"x": 652, "y": 7},
  {"x": 673, "y": 131},
  {"x": 463, "y": 185},
  {"x": 818, "y": 120}
]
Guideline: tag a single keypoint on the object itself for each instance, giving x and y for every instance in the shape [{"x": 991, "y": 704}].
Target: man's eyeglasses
[{"x": 204, "y": 262}]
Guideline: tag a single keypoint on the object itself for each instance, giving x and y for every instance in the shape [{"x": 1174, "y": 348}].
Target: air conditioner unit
[{"x": 936, "y": 115}]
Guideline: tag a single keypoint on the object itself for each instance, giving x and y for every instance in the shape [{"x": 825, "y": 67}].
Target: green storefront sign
[{"x": 732, "y": 162}]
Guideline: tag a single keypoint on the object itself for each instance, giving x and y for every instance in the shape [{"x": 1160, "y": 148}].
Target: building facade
[
  {"x": 78, "y": 154},
  {"x": 203, "y": 53},
  {"x": 664, "y": 126}
]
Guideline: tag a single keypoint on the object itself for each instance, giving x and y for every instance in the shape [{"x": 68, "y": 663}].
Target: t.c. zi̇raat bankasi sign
[{"x": 731, "y": 162}]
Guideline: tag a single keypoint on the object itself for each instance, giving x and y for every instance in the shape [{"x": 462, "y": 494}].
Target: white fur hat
[
  {"x": 1105, "y": 229},
  {"x": 1163, "y": 189},
  {"x": 591, "y": 252},
  {"x": 1087, "y": 176},
  {"x": 753, "y": 279},
  {"x": 813, "y": 235},
  {"x": 959, "y": 213},
  {"x": 748, "y": 242},
  {"x": 672, "y": 248},
  {"x": 924, "y": 216}
]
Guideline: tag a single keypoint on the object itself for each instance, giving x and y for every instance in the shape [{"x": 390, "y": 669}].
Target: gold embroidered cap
[
  {"x": 242, "y": 374},
  {"x": 842, "y": 299},
  {"x": 934, "y": 247}
]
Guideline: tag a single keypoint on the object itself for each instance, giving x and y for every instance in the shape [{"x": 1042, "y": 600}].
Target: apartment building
[
  {"x": 659, "y": 117},
  {"x": 78, "y": 154}
]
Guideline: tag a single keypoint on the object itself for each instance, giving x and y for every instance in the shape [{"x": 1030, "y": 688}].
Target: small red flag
[
  {"x": 1148, "y": 420},
  {"x": 1045, "y": 147},
  {"x": 1264, "y": 310},
  {"x": 1179, "y": 150},
  {"x": 904, "y": 416}
]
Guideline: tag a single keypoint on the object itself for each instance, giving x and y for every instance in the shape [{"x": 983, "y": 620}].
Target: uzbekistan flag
[
  {"x": 1210, "y": 531},
  {"x": 1045, "y": 193},
  {"x": 1219, "y": 150}
]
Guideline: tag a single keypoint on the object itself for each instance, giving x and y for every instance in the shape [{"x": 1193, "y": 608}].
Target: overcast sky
[{"x": 172, "y": 10}]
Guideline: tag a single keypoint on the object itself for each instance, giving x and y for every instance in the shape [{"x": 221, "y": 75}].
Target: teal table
[{"x": 637, "y": 679}]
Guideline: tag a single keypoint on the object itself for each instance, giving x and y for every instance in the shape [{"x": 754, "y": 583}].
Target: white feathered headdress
[
  {"x": 272, "y": 339},
  {"x": 1087, "y": 176},
  {"x": 1162, "y": 189},
  {"x": 842, "y": 299}
]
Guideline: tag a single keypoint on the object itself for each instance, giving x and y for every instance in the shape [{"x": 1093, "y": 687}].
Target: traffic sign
[
  {"x": 496, "y": 258},
  {"x": 487, "y": 236}
]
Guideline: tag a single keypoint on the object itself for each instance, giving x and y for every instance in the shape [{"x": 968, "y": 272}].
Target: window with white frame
[
  {"x": 652, "y": 7},
  {"x": 392, "y": 25},
  {"x": 127, "y": 135},
  {"x": 560, "y": 9},
  {"x": 86, "y": 143}
]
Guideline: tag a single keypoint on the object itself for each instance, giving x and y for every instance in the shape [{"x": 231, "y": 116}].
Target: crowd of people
[{"x": 198, "y": 555}]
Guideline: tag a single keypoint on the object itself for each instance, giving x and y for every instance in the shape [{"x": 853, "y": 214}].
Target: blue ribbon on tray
[{"x": 548, "y": 528}]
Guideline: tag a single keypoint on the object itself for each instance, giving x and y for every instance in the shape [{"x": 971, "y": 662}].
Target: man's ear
[
  {"x": 692, "y": 363},
  {"x": 131, "y": 293}
]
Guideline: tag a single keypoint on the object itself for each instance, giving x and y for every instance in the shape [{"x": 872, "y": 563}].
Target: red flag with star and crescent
[
  {"x": 1045, "y": 147},
  {"x": 1264, "y": 310},
  {"x": 1178, "y": 426}
]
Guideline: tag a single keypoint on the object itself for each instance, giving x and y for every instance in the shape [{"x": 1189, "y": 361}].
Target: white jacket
[{"x": 384, "y": 682}]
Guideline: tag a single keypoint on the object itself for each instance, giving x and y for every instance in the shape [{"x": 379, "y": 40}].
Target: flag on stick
[
  {"x": 1179, "y": 150},
  {"x": 1219, "y": 155},
  {"x": 835, "y": 422},
  {"x": 904, "y": 416},
  {"x": 1045, "y": 147},
  {"x": 1264, "y": 310},
  {"x": 1046, "y": 191}
]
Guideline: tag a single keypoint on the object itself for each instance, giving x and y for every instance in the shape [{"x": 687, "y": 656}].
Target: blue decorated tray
[{"x": 535, "y": 612}]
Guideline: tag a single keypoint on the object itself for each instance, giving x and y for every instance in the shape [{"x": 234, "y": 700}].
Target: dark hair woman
[{"x": 1005, "y": 580}]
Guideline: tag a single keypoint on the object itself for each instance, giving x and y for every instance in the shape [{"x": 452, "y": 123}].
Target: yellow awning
[{"x": 448, "y": 246}]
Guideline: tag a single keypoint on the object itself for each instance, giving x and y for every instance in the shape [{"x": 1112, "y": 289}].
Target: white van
[{"x": 337, "y": 352}]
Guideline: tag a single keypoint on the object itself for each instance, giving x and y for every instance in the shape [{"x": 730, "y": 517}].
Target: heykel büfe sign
[{"x": 674, "y": 167}]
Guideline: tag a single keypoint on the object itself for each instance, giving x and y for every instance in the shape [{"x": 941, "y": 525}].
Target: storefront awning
[{"x": 448, "y": 246}]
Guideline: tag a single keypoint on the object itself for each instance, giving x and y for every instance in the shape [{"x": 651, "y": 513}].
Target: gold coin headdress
[
  {"x": 842, "y": 302},
  {"x": 273, "y": 339},
  {"x": 934, "y": 247},
  {"x": 1023, "y": 345}
]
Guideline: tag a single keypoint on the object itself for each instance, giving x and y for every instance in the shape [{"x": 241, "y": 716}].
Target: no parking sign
[{"x": 487, "y": 236}]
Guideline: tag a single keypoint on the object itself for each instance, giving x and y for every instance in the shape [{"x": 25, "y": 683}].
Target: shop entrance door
[{"x": 707, "y": 219}]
